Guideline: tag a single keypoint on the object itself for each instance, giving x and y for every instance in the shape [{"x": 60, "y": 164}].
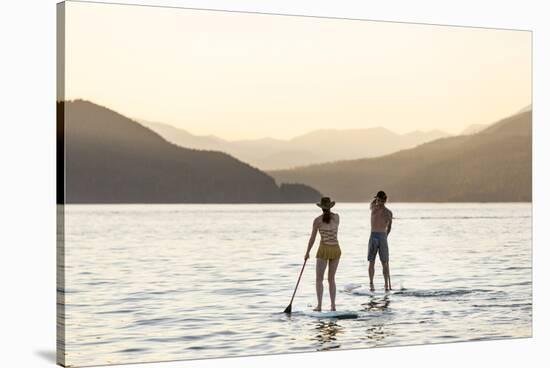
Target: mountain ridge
[
  {"x": 323, "y": 145},
  {"x": 110, "y": 158},
  {"x": 493, "y": 165}
]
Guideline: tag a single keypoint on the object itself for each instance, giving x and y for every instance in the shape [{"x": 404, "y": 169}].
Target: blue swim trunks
[{"x": 378, "y": 242}]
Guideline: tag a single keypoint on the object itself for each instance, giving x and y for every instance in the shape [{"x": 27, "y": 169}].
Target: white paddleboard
[
  {"x": 359, "y": 289},
  {"x": 350, "y": 287},
  {"x": 332, "y": 314},
  {"x": 365, "y": 291}
]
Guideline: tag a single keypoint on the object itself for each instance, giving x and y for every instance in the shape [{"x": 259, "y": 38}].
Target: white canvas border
[{"x": 27, "y": 68}]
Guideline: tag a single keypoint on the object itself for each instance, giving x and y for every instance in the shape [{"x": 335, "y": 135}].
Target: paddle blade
[{"x": 288, "y": 309}]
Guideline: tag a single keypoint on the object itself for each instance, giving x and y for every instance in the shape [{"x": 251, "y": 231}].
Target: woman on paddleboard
[{"x": 328, "y": 252}]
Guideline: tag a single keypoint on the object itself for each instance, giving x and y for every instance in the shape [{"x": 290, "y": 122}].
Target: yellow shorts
[{"x": 328, "y": 252}]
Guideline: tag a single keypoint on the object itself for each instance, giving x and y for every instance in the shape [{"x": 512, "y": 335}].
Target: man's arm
[
  {"x": 312, "y": 238},
  {"x": 390, "y": 214}
]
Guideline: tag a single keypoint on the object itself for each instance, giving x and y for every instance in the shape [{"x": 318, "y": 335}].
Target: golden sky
[{"x": 240, "y": 76}]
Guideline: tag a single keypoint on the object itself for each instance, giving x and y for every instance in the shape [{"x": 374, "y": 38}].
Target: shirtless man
[{"x": 380, "y": 222}]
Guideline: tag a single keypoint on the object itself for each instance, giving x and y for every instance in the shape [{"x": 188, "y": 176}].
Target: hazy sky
[{"x": 239, "y": 75}]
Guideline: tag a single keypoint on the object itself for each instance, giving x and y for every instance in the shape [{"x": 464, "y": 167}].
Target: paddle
[{"x": 288, "y": 309}]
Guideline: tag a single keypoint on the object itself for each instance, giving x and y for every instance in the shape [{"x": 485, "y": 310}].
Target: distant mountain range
[
  {"x": 110, "y": 158},
  {"x": 314, "y": 147},
  {"x": 492, "y": 165},
  {"x": 113, "y": 159},
  {"x": 474, "y": 128}
]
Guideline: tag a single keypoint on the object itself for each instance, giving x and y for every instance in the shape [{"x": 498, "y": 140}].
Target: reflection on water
[
  {"x": 377, "y": 304},
  {"x": 376, "y": 333},
  {"x": 168, "y": 282},
  {"x": 327, "y": 334}
]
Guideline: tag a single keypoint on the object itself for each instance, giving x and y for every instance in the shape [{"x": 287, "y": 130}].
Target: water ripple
[{"x": 141, "y": 287}]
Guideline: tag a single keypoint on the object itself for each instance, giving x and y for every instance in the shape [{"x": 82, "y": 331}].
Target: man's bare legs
[
  {"x": 386, "y": 271},
  {"x": 332, "y": 267},
  {"x": 371, "y": 275},
  {"x": 320, "y": 274}
]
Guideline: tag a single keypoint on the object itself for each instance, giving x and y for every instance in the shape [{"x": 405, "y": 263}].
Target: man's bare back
[{"x": 380, "y": 217}]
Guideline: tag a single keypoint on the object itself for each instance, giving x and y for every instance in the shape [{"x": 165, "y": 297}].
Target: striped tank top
[{"x": 329, "y": 232}]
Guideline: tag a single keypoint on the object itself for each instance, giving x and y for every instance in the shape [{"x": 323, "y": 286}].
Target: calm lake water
[{"x": 172, "y": 282}]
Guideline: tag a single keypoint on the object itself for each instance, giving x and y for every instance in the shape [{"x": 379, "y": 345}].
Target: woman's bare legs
[
  {"x": 320, "y": 274},
  {"x": 332, "y": 267}
]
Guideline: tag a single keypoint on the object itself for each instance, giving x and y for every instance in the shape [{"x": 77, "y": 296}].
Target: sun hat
[{"x": 326, "y": 203}]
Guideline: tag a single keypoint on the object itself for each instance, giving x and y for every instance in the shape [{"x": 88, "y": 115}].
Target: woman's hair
[{"x": 326, "y": 215}]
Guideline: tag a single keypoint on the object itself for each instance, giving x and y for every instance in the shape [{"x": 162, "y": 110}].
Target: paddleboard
[
  {"x": 359, "y": 289},
  {"x": 332, "y": 314},
  {"x": 350, "y": 287}
]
